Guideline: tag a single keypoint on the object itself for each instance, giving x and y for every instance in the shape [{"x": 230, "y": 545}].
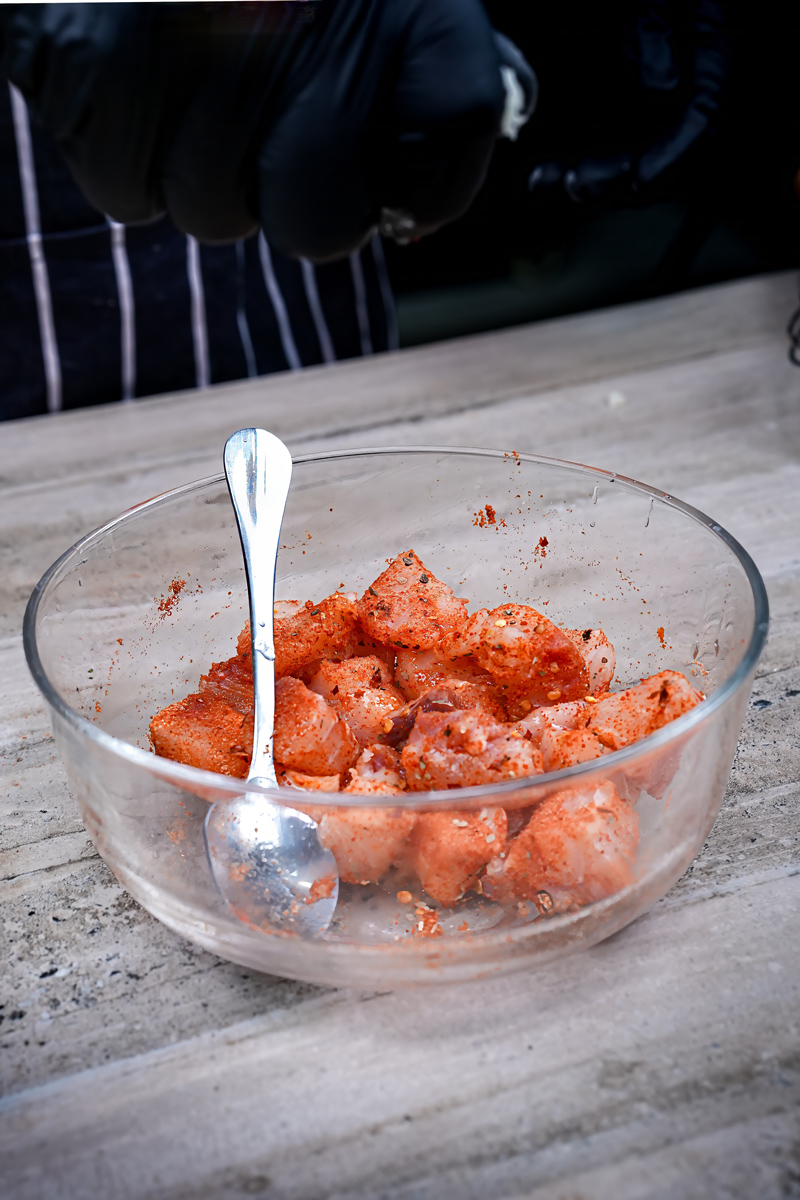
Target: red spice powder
[
  {"x": 661, "y": 638},
  {"x": 426, "y": 922},
  {"x": 321, "y": 889},
  {"x": 168, "y": 602},
  {"x": 487, "y": 516}
]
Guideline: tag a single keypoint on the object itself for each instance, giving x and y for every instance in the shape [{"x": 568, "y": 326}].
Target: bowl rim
[{"x": 201, "y": 781}]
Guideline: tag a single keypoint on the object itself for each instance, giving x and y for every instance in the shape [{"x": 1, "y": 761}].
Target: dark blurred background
[{"x": 729, "y": 208}]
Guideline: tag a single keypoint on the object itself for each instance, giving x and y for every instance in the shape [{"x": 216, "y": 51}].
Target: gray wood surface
[{"x": 664, "y": 1063}]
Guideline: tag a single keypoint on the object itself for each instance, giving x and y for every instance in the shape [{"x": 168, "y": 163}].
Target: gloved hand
[
  {"x": 310, "y": 120},
  {"x": 677, "y": 61}
]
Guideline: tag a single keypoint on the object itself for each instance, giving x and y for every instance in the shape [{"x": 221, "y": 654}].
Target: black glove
[
  {"x": 307, "y": 119},
  {"x": 674, "y": 60}
]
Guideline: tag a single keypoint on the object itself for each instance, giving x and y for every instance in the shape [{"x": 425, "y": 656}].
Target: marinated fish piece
[
  {"x": 203, "y": 731},
  {"x": 448, "y": 850},
  {"x": 599, "y": 656},
  {"x": 366, "y": 842},
  {"x": 574, "y": 714},
  {"x": 424, "y": 673},
  {"x": 408, "y": 607},
  {"x": 449, "y": 696},
  {"x": 524, "y": 651},
  {"x": 309, "y": 736},
  {"x": 579, "y": 846},
  {"x": 213, "y": 728},
  {"x": 621, "y": 718},
  {"x": 287, "y": 777},
  {"x": 418, "y": 671},
  {"x": 465, "y": 749},
  {"x": 370, "y": 647},
  {"x": 476, "y": 694},
  {"x": 232, "y": 682},
  {"x": 565, "y": 747},
  {"x": 377, "y": 771},
  {"x": 361, "y": 691},
  {"x": 310, "y": 633}
]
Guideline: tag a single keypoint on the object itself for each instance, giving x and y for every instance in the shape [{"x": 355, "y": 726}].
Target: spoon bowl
[{"x": 270, "y": 867}]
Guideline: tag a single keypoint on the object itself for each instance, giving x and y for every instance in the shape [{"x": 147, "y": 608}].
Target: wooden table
[{"x": 663, "y": 1063}]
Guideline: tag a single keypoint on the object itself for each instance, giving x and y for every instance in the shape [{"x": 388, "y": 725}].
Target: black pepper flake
[
  {"x": 409, "y": 562},
  {"x": 587, "y": 633},
  {"x": 448, "y": 731},
  {"x": 335, "y": 690},
  {"x": 372, "y": 591},
  {"x": 314, "y": 612},
  {"x": 423, "y": 578}
]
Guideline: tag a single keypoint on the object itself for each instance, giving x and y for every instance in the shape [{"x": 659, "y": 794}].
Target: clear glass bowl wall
[{"x": 109, "y": 645}]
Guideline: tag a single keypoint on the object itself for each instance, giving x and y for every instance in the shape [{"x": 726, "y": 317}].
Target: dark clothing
[
  {"x": 308, "y": 120},
  {"x": 92, "y": 311}
]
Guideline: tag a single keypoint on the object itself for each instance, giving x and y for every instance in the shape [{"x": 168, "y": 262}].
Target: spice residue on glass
[{"x": 166, "y": 604}]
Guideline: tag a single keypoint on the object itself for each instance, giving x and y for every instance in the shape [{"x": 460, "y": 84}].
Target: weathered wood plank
[{"x": 485, "y": 1088}]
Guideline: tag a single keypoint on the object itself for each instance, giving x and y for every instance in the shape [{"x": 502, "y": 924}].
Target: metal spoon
[{"x": 266, "y": 859}]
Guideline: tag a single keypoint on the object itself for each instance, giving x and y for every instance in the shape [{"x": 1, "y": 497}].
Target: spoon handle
[{"x": 258, "y": 470}]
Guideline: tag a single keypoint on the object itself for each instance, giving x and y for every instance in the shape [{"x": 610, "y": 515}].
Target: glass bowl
[{"x": 128, "y": 619}]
